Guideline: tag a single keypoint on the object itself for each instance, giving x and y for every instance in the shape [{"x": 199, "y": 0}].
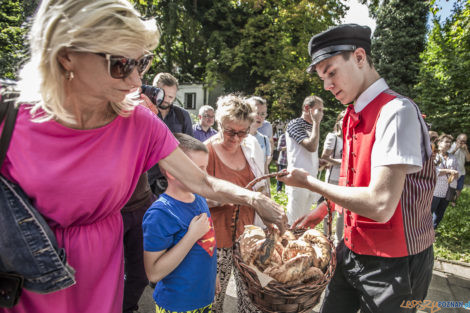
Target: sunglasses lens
[
  {"x": 144, "y": 63},
  {"x": 120, "y": 67}
]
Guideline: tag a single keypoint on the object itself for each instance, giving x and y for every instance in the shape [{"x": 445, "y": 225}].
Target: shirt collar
[
  {"x": 199, "y": 128},
  {"x": 369, "y": 94}
]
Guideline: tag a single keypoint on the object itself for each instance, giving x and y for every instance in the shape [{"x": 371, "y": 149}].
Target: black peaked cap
[{"x": 336, "y": 39}]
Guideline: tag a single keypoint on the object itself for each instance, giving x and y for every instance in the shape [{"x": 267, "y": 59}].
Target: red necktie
[{"x": 354, "y": 118}]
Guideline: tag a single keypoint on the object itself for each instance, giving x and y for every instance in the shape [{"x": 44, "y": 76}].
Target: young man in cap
[{"x": 385, "y": 186}]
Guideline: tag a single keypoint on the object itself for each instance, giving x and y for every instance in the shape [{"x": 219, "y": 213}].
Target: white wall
[{"x": 191, "y": 88}]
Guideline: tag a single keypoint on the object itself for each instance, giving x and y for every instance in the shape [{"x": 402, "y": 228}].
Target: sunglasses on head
[
  {"x": 241, "y": 134},
  {"x": 121, "y": 67}
]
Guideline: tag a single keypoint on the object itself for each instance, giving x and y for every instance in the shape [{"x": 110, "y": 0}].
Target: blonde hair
[
  {"x": 100, "y": 26},
  {"x": 338, "y": 128},
  {"x": 233, "y": 108}
]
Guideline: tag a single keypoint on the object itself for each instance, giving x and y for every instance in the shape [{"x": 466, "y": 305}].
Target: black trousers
[
  {"x": 376, "y": 284},
  {"x": 135, "y": 277},
  {"x": 438, "y": 208}
]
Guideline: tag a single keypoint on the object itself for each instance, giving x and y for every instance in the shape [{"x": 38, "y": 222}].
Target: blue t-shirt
[
  {"x": 264, "y": 143},
  {"x": 191, "y": 285}
]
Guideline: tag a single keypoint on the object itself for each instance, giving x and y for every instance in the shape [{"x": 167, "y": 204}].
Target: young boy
[{"x": 179, "y": 243}]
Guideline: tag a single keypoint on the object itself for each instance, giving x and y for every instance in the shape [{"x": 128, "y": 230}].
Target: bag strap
[{"x": 8, "y": 113}]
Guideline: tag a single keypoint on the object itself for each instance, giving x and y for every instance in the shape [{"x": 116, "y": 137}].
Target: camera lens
[{"x": 155, "y": 94}]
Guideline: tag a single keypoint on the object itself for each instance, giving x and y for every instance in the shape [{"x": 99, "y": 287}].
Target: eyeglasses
[
  {"x": 120, "y": 67},
  {"x": 208, "y": 116},
  {"x": 241, "y": 134}
]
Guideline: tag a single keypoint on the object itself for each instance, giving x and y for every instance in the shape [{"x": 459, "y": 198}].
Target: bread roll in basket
[{"x": 299, "y": 264}]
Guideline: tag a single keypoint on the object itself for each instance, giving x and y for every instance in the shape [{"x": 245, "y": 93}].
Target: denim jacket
[{"x": 28, "y": 246}]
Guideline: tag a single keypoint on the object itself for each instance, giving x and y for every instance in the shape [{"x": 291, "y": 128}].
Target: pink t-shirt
[{"x": 79, "y": 180}]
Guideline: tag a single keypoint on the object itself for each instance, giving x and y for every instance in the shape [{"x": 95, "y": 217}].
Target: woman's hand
[
  {"x": 452, "y": 175},
  {"x": 296, "y": 178},
  {"x": 269, "y": 211}
]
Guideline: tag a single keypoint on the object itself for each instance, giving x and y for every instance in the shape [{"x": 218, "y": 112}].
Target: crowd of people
[{"x": 136, "y": 193}]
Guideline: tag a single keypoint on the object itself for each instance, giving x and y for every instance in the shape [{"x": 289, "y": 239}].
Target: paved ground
[{"x": 450, "y": 282}]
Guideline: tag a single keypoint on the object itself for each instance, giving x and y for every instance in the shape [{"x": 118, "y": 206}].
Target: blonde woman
[{"x": 78, "y": 147}]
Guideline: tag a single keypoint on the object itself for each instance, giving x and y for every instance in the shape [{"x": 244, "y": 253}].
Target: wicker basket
[{"x": 278, "y": 297}]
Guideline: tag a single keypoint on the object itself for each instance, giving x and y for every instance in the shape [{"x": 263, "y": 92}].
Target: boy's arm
[{"x": 159, "y": 264}]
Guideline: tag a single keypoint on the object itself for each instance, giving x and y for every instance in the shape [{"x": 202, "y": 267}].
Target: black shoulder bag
[{"x": 10, "y": 284}]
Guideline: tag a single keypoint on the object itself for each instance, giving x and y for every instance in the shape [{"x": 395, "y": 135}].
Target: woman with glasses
[
  {"x": 81, "y": 142},
  {"x": 238, "y": 158}
]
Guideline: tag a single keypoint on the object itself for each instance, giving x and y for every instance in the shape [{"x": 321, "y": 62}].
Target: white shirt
[
  {"x": 334, "y": 143},
  {"x": 398, "y": 135},
  {"x": 461, "y": 158},
  {"x": 297, "y": 156}
]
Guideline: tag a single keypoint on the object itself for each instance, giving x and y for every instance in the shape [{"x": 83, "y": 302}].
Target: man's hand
[
  {"x": 296, "y": 178},
  {"x": 313, "y": 218},
  {"x": 316, "y": 114},
  {"x": 270, "y": 212}
]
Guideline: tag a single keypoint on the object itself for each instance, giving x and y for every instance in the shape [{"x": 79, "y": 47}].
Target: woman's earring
[{"x": 69, "y": 75}]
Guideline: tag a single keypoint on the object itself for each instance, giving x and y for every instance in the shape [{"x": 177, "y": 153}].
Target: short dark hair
[
  {"x": 188, "y": 143},
  {"x": 165, "y": 79}
]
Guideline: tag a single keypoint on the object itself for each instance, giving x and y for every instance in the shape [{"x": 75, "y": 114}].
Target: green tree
[
  {"x": 13, "y": 28},
  {"x": 249, "y": 46},
  {"x": 182, "y": 48},
  {"x": 266, "y": 53},
  {"x": 443, "y": 91},
  {"x": 398, "y": 40}
]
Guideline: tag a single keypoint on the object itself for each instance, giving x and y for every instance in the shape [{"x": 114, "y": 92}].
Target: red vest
[{"x": 363, "y": 235}]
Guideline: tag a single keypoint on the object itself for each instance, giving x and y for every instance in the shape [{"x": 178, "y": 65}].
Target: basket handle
[{"x": 236, "y": 211}]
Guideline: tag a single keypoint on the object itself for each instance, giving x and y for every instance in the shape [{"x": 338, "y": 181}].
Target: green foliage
[
  {"x": 13, "y": 28},
  {"x": 453, "y": 233},
  {"x": 250, "y": 46},
  {"x": 443, "y": 91},
  {"x": 398, "y": 40}
]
